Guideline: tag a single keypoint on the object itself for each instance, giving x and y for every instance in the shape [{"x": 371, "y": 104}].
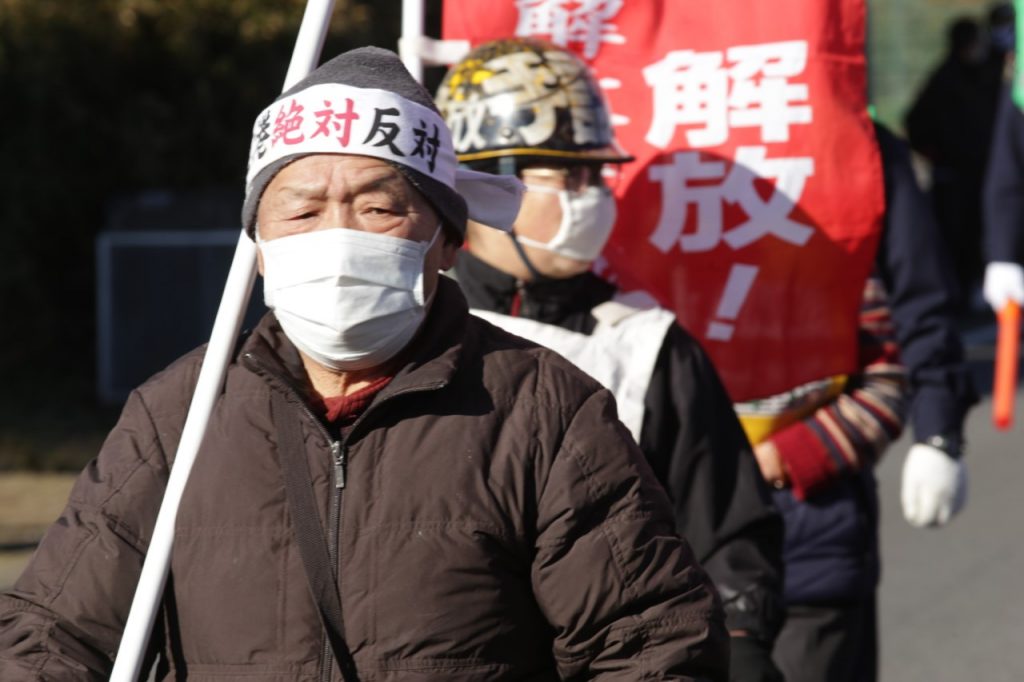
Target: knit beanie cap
[{"x": 365, "y": 102}]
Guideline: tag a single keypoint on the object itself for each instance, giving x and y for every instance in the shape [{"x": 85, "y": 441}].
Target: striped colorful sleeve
[{"x": 853, "y": 430}]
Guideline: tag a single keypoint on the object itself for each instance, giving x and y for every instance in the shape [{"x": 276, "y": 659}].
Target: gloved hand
[
  {"x": 750, "y": 660},
  {"x": 934, "y": 486},
  {"x": 1003, "y": 282}
]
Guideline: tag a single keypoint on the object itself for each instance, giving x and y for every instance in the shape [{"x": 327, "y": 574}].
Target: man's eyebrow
[
  {"x": 391, "y": 184},
  {"x": 304, "y": 190}
]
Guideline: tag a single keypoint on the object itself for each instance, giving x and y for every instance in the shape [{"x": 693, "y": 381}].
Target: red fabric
[
  {"x": 345, "y": 409},
  {"x": 807, "y": 462},
  {"x": 517, "y": 303},
  {"x": 748, "y": 121}
]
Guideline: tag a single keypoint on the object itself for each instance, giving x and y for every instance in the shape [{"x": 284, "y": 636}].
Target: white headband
[{"x": 331, "y": 118}]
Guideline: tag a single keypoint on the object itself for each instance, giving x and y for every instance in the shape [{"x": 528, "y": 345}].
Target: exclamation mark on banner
[{"x": 741, "y": 277}]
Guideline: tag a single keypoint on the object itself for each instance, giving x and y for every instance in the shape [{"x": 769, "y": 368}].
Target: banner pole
[
  {"x": 412, "y": 33},
  {"x": 234, "y": 300}
]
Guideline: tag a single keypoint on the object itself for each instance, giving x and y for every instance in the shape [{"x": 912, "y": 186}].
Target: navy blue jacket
[
  {"x": 1003, "y": 196},
  {"x": 915, "y": 265}
]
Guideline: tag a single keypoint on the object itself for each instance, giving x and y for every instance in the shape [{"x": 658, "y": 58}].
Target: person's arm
[
  {"x": 64, "y": 617},
  {"x": 1003, "y": 192},
  {"x": 698, "y": 451},
  {"x": 852, "y": 431},
  {"x": 1003, "y": 207},
  {"x": 623, "y": 593},
  {"x": 916, "y": 266}
]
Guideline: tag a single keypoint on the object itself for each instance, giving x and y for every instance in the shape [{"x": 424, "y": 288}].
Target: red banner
[{"x": 754, "y": 203}]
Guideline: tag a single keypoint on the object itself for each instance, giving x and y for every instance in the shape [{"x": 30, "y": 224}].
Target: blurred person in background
[
  {"x": 1002, "y": 35},
  {"x": 1004, "y": 189},
  {"x": 530, "y": 109},
  {"x": 915, "y": 266},
  {"x": 950, "y": 125},
  {"x": 1004, "y": 206}
]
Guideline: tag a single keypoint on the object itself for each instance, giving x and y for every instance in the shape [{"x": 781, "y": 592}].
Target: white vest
[{"x": 620, "y": 354}]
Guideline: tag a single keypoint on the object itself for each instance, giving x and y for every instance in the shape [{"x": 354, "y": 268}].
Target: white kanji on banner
[
  {"x": 771, "y": 216},
  {"x": 690, "y": 88},
  {"x": 747, "y": 86},
  {"x": 678, "y": 194},
  {"x": 764, "y": 216},
  {"x": 586, "y": 22},
  {"x": 769, "y": 101}
]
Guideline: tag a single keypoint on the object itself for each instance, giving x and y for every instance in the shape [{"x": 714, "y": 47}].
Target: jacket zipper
[
  {"x": 333, "y": 527},
  {"x": 339, "y": 452},
  {"x": 333, "y": 543}
]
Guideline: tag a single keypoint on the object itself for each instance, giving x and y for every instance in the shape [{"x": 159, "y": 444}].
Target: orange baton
[{"x": 1004, "y": 387}]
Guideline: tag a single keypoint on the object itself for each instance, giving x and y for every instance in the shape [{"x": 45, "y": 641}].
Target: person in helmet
[{"x": 530, "y": 109}]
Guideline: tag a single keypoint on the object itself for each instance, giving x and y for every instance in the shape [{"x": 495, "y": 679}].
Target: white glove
[
  {"x": 1003, "y": 282},
  {"x": 934, "y": 486}
]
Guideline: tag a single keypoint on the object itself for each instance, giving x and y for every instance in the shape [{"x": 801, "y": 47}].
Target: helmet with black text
[{"x": 516, "y": 101}]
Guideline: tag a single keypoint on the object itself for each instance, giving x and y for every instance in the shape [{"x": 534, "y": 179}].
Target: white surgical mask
[
  {"x": 348, "y": 299},
  {"x": 587, "y": 221}
]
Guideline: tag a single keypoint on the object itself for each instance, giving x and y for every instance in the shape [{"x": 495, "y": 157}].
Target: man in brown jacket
[{"x": 389, "y": 489}]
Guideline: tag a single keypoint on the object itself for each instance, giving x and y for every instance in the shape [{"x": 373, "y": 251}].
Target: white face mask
[
  {"x": 587, "y": 221},
  {"x": 348, "y": 299}
]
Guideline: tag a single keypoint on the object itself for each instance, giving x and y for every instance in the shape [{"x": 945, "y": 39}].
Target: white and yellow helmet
[{"x": 529, "y": 100}]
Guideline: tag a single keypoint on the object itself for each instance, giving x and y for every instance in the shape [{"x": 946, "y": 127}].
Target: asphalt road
[{"x": 951, "y": 605}]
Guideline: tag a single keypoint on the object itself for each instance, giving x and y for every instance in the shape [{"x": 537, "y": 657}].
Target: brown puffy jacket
[{"x": 495, "y": 524}]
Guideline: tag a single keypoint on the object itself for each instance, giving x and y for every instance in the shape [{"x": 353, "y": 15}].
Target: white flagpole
[
  {"x": 412, "y": 34},
  {"x": 233, "y": 303}
]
